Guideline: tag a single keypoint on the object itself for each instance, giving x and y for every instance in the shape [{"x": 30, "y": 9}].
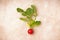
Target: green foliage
[
  {"x": 29, "y": 13},
  {"x": 34, "y": 23},
  {"x": 20, "y": 10},
  {"x": 34, "y": 10},
  {"x": 38, "y": 22},
  {"x": 24, "y": 19}
]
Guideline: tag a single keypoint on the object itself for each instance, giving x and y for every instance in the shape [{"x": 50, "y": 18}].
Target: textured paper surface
[{"x": 11, "y": 28}]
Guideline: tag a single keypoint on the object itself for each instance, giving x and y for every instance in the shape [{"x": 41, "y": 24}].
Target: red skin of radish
[{"x": 30, "y": 31}]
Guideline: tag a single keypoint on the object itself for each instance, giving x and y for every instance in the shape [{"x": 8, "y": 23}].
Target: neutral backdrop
[{"x": 11, "y": 28}]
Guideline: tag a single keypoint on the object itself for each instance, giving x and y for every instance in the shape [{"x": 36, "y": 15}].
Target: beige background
[{"x": 11, "y": 28}]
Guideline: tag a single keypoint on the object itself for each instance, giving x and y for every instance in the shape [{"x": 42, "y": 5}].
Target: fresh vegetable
[
  {"x": 30, "y": 31},
  {"x": 29, "y": 15}
]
